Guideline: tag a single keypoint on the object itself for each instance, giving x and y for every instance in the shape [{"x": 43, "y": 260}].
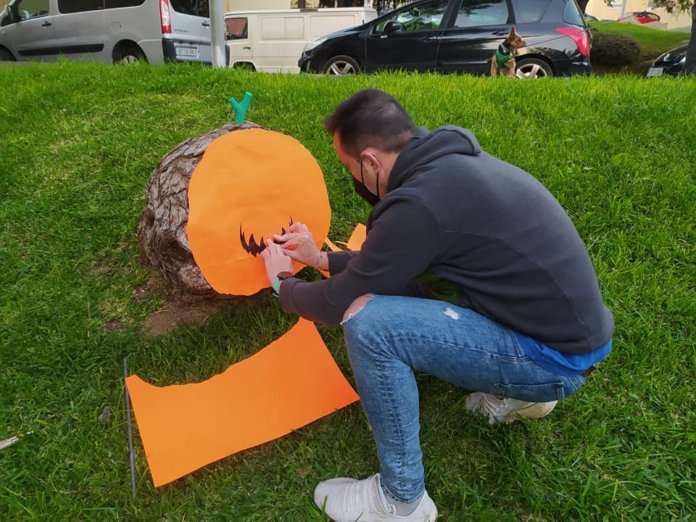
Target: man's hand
[
  {"x": 298, "y": 243},
  {"x": 276, "y": 262}
]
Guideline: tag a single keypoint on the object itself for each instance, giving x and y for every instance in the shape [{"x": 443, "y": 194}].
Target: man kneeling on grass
[{"x": 471, "y": 271}]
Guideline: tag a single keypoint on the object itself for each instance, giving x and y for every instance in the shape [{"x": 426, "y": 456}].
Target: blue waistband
[{"x": 561, "y": 363}]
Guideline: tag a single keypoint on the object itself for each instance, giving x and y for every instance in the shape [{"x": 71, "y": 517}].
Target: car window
[
  {"x": 473, "y": 13},
  {"x": 191, "y": 7},
  {"x": 421, "y": 17},
  {"x": 572, "y": 14},
  {"x": 236, "y": 28},
  {"x": 115, "y": 4},
  {"x": 529, "y": 11},
  {"x": 28, "y": 9},
  {"x": 79, "y": 6}
]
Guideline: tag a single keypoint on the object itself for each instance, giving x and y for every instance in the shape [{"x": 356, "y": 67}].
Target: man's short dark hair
[{"x": 371, "y": 118}]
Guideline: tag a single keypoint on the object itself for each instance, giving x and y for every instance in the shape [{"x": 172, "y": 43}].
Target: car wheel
[
  {"x": 127, "y": 55},
  {"x": 532, "y": 68},
  {"x": 246, "y": 66},
  {"x": 341, "y": 65},
  {"x": 6, "y": 56}
]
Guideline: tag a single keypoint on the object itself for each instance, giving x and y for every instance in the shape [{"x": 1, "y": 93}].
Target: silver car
[{"x": 110, "y": 31}]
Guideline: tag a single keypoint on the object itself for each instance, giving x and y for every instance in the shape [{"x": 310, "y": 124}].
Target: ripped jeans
[{"x": 392, "y": 336}]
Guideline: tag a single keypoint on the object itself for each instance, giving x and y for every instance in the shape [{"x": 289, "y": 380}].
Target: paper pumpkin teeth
[{"x": 252, "y": 246}]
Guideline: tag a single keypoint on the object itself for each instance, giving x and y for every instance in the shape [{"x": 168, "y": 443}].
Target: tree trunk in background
[
  {"x": 690, "y": 64},
  {"x": 582, "y": 4},
  {"x": 162, "y": 231}
]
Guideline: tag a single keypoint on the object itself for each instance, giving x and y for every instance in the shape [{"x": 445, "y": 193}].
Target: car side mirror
[{"x": 392, "y": 27}]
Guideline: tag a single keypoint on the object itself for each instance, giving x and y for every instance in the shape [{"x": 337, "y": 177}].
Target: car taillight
[
  {"x": 579, "y": 36},
  {"x": 165, "y": 16}
]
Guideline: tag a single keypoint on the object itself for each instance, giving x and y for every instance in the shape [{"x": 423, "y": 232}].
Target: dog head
[{"x": 514, "y": 40}]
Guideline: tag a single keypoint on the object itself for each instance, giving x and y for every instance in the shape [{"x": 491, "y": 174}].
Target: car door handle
[
  {"x": 246, "y": 47},
  {"x": 46, "y": 24},
  {"x": 501, "y": 33},
  {"x": 205, "y": 24}
]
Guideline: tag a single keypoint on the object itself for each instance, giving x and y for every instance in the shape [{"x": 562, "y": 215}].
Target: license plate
[
  {"x": 654, "y": 71},
  {"x": 189, "y": 52}
]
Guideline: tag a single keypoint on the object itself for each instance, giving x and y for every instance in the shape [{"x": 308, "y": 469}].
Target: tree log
[{"x": 162, "y": 235}]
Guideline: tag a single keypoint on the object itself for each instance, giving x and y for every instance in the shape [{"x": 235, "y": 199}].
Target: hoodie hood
[{"x": 426, "y": 146}]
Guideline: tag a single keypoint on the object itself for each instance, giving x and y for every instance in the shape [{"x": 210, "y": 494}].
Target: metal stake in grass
[
  {"x": 130, "y": 424},
  {"x": 13, "y": 440}
]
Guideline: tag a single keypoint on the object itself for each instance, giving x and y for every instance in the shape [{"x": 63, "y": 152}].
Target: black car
[
  {"x": 459, "y": 36},
  {"x": 671, "y": 62}
]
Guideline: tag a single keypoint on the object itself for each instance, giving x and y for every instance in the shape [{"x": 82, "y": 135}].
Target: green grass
[
  {"x": 652, "y": 41},
  {"x": 78, "y": 144}
]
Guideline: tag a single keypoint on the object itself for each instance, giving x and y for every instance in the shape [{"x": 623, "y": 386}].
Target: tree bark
[
  {"x": 582, "y": 4},
  {"x": 162, "y": 235},
  {"x": 690, "y": 64}
]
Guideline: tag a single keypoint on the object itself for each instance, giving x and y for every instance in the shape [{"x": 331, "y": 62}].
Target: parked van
[
  {"x": 109, "y": 31},
  {"x": 273, "y": 41}
]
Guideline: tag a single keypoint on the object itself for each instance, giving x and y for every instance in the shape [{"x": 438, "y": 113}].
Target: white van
[
  {"x": 273, "y": 40},
  {"x": 109, "y": 31}
]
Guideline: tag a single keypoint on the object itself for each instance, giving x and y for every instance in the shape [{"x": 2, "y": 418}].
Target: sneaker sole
[{"x": 535, "y": 411}]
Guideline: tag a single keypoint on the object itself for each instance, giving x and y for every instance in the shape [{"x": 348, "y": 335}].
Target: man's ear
[
  {"x": 513, "y": 32},
  {"x": 369, "y": 158}
]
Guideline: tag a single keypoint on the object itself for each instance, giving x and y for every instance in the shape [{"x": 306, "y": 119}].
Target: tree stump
[{"x": 162, "y": 235}]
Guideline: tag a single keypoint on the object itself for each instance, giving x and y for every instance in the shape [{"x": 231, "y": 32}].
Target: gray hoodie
[{"x": 487, "y": 228}]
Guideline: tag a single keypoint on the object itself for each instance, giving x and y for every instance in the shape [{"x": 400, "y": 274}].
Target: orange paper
[
  {"x": 283, "y": 387},
  {"x": 249, "y": 185},
  {"x": 357, "y": 238}
]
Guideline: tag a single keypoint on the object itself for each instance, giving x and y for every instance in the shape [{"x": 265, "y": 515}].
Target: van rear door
[{"x": 189, "y": 40}]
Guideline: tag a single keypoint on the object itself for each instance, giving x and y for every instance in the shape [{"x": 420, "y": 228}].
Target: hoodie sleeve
[
  {"x": 403, "y": 240},
  {"x": 338, "y": 261}
]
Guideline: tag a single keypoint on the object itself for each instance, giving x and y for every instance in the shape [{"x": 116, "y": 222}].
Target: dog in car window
[{"x": 503, "y": 60}]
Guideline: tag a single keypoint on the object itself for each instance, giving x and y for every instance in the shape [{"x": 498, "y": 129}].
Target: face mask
[{"x": 362, "y": 190}]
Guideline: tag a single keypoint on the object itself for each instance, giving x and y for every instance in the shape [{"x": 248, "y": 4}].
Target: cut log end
[{"x": 162, "y": 239}]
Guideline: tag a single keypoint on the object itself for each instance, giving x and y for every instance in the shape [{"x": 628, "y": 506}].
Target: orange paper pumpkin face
[{"x": 249, "y": 185}]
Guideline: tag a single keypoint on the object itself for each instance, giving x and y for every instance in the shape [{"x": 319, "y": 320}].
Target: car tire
[
  {"x": 341, "y": 65},
  {"x": 129, "y": 54},
  {"x": 532, "y": 68},
  {"x": 245, "y": 66},
  {"x": 6, "y": 56}
]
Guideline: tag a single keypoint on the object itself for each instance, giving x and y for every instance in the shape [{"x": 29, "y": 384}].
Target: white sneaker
[
  {"x": 350, "y": 500},
  {"x": 506, "y": 410}
]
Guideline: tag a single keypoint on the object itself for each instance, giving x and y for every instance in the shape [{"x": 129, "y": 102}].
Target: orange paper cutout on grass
[
  {"x": 249, "y": 185},
  {"x": 357, "y": 238},
  {"x": 283, "y": 387}
]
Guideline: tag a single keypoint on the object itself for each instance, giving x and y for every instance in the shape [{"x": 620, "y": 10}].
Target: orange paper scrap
[
  {"x": 357, "y": 238},
  {"x": 332, "y": 246},
  {"x": 283, "y": 387}
]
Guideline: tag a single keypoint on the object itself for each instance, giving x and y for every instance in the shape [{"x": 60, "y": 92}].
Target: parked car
[
  {"x": 459, "y": 36},
  {"x": 272, "y": 40},
  {"x": 106, "y": 30},
  {"x": 671, "y": 62},
  {"x": 646, "y": 17}
]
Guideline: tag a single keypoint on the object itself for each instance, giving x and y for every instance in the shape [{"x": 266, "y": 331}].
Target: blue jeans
[{"x": 390, "y": 337}]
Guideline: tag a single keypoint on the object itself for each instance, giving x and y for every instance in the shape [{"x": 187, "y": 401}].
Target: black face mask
[{"x": 362, "y": 190}]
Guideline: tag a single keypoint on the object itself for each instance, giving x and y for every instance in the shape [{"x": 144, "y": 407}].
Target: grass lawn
[{"x": 78, "y": 144}]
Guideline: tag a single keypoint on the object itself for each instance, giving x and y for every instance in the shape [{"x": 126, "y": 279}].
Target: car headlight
[
  {"x": 681, "y": 59},
  {"x": 313, "y": 44}
]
